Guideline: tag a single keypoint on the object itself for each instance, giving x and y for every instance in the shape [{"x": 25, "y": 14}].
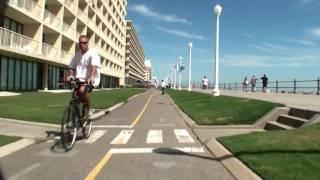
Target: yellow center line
[
  {"x": 93, "y": 174},
  {"x": 141, "y": 113}
]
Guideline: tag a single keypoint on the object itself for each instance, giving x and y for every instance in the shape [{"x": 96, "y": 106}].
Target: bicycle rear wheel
[
  {"x": 87, "y": 123},
  {"x": 69, "y": 127}
]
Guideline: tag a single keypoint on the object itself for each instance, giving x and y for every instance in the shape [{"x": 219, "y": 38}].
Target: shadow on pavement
[{"x": 170, "y": 151}]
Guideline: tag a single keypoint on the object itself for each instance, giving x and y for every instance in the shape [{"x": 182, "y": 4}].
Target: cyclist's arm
[{"x": 71, "y": 73}]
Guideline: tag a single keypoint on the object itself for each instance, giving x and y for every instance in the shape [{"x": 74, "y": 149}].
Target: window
[
  {"x": 3, "y": 79},
  {"x": 29, "y": 80},
  {"x": 17, "y": 76},
  {"x": 11, "y": 74},
  {"x": 24, "y": 75}
]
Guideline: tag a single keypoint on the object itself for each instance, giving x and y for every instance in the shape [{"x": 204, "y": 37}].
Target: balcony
[
  {"x": 82, "y": 16},
  {"x": 70, "y": 5},
  {"x": 68, "y": 30},
  {"x": 49, "y": 51},
  {"x": 29, "y": 7},
  {"x": 10, "y": 40},
  {"x": 51, "y": 20},
  {"x": 65, "y": 57}
]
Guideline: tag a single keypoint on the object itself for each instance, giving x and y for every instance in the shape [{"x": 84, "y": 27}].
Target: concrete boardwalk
[
  {"x": 310, "y": 102},
  {"x": 146, "y": 138}
]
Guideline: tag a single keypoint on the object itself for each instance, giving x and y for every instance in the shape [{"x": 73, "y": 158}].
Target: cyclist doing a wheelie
[{"x": 85, "y": 66}]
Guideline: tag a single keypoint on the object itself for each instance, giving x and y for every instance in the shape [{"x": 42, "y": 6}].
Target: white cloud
[
  {"x": 249, "y": 35},
  {"x": 145, "y": 11},
  {"x": 179, "y": 33},
  {"x": 302, "y": 42},
  {"x": 306, "y": 2},
  {"x": 274, "y": 46},
  {"x": 246, "y": 60},
  {"x": 315, "y": 31}
]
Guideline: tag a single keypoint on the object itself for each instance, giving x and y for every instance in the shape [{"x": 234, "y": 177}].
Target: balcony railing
[
  {"x": 18, "y": 42},
  {"x": 82, "y": 16},
  {"x": 65, "y": 57},
  {"x": 27, "y": 6},
  {"x": 51, "y": 20},
  {"x": 70, "y": 4},
  {"x": 68, "y": 30},
  {"x": 49, "y": 51}
]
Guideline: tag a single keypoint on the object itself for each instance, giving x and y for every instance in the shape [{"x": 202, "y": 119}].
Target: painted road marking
[
  {"x": 183, "y": 136},
  {"x": 154, "y": 136},
  {"x": 25, "y": 171},
  {"x": 151, "y": 150},
  {"x": 112, "y": 126},
  {"x": 123, "y": 137},
  {"x": 163, "y": 125},
  {"x": 141, "y": 113},
  {"x": 93, "y": 174},
  {"x": 94, "y": 136}
]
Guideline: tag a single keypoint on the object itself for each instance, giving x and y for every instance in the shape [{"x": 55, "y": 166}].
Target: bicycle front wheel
[
  {"x": 87, "y": 125},
  {"x": 69, "y": 127}
]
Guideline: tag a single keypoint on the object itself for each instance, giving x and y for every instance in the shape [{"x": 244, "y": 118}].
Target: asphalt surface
[{"x": 143, "y": 139}]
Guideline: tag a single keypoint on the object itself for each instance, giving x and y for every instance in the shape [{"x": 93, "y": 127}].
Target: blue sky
[{"x": 279, "y": 38}]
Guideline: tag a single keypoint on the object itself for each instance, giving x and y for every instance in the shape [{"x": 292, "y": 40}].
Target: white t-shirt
[
  {"x": 163, "y": 84},
  {"x": 80, "y": 63},
  {"x": 205, "y": 81}
]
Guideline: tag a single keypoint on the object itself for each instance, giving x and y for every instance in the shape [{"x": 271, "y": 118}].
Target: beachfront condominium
[
  {"x": 38, "y": 38},
  {"x": 135, "y": 68}
]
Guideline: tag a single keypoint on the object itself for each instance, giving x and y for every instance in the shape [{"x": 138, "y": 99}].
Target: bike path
[{"x": 139, "y": 141}]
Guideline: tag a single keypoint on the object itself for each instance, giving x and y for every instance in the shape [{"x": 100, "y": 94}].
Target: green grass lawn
[
  {"x": 7, "y": 139},
  {"x": 206, "y": 109},
  {"x": 277, "y": 155},
  {"x": 49, "y": 107}
]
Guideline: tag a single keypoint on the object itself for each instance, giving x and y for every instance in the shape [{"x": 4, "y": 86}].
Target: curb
[
  {"x": 15, "y": 146},
  {"x": 227, "y": 159}
]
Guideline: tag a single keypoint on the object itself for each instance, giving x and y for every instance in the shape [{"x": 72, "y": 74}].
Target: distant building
[
  {"x": 38, "y": 38},
  {"x": 135, "y": 68},
  {"x": 148, "y": 71}
]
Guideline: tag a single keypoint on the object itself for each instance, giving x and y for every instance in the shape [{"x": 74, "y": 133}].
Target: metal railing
[
  {"x": 295, "y": 86},
  {"x": 15, "y": 41}
]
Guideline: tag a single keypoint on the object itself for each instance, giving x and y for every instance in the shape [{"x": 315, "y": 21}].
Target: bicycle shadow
[{"x": 57, "y": 146}]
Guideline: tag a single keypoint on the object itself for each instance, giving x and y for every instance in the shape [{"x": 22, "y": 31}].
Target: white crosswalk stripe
[
  {"x": 154, "y": 136},
  {"x": 95, "y": 135},
  {"x": 183, "y": 136},
  {"x": 123, "y": 137}
]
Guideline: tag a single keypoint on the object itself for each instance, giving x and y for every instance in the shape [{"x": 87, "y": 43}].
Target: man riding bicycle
[{"x": 85, "y": 66}]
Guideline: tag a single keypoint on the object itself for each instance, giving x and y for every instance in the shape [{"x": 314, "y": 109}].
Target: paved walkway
[
  {"x": 310, "y": 102},
  {"x": 146, "y": 138}
]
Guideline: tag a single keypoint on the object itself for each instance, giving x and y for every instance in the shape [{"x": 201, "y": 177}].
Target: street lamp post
[
  {"x": 171, "y": 82},
  {"x": 180, "y": 61},
  {"x": 175, "y": 77},
  {"x": 190, "y": 55},
  {"x": 217, "y": 12}
]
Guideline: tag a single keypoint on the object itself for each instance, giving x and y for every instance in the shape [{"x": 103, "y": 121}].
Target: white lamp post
[
  {"x": 180, "y": 61},
  {"x": 175, "y": 77},
  {"x": 171, "y": 82},
  {"x": 190, "y": 55},
  {"x": 217, "y": 12}
]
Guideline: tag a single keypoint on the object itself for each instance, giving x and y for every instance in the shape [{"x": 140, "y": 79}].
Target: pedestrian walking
[
  {"x": 253, "y": 83},
  {"x": 204, "y": 83},
  {"x": 264, "y": 83},
  {"x": 163, "y": 86}
]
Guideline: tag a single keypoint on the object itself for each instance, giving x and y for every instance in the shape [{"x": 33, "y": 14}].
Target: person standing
[
  {"x": 264, "y": 83},
  {"x": 253, "y": 83},
  {"x": 245, "y": 84},
  {"x": 204, "y": 83}
]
